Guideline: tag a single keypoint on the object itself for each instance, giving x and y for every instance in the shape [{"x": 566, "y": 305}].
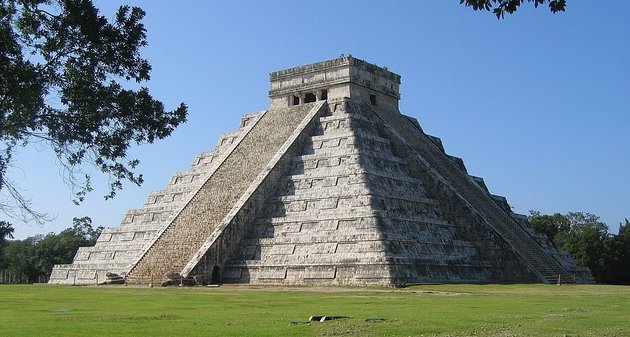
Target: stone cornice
[{"x": 340, "y": 62}]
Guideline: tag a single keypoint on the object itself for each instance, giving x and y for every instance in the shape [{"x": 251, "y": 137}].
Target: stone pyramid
[{"x": 332, "y": 185}]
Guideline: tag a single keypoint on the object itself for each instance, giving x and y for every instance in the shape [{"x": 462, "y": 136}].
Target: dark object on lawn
[
  {"x": 325, "y": 318},
  {"x": 374, "y": 319}
]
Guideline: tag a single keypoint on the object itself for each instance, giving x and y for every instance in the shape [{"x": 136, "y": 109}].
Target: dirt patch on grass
[
  {"x": 338, "y": 289},
  {"x": 318, "y": 289},
  {"x": 435, "y": 293}
]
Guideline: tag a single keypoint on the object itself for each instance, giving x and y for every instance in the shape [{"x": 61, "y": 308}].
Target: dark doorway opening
[
  {"x": 373, "y": 99},
  {"x": 216, "y": 275},
  {"x": 324, "y": 94},
  {"x": 310, "y": 97}
]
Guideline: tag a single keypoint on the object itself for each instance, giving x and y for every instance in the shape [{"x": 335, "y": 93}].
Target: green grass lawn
[{"x": 440, "y": 310}]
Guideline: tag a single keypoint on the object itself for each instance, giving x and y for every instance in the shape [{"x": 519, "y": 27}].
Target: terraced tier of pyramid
[{"x": 332, "y": 185}]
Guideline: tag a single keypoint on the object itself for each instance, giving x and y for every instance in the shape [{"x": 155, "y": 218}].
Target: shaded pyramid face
[{"x": 332, "y": 185}]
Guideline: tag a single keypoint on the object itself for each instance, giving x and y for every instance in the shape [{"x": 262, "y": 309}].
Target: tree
[
  {"x": 66, "y": 80},
  {"x": 588, "y": 241},
  {"x": 35, "y": 256},
  {"x": 618, "y": 259},
  {"x": 550, "y": 225},
  {"x": 82, "y": 227},
  {"x": 6, "y": 231},
  {"x": 18, "y": 257},
  {"x": 500, "y": 7}
]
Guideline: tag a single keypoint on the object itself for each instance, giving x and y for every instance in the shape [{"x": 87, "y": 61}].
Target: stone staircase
[
  {"x": 450, "y": 174},
  {"x": 180, "y": 241}
]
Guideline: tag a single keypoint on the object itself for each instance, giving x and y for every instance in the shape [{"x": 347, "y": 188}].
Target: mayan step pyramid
[{"x": 331, "y": 185}]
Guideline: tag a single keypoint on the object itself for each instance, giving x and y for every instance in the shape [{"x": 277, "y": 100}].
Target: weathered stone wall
[
  {"x": 343, "y": 77},
  {"x": 332, "y": 75}
]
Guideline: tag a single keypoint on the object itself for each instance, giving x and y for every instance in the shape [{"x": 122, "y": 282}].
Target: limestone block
[
  {"x": 322, "y": 248},
  {"x": 320, "y": 272},
  {"x": 104, "y": 237},
  {"x": 280, "y": 250},
  {"x": 82, "y": 255},
  {"x": 295, "y": 206},
  {"x": 271, "y": 273},
  {"x": 319, "y": 226},
  {"x": 106, "y": 255},
  {"x": 59, "y": 274},
  {"x": 321, "y": 204},
  {"x": 288, "y": 227},
  {"x": 89, "y": 274},
  {"x": 372, "y": 272}
]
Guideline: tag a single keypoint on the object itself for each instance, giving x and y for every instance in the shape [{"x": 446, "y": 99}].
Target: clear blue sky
[{"x": 537, "y": 104}]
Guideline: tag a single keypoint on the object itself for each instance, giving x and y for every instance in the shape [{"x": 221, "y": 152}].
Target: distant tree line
[
  {"x": 32, "y": 259},
  {"x": 589, "y": 243}
]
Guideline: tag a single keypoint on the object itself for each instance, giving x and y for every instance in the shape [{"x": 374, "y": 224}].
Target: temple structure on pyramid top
[{"x": 331, "y": 185}]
